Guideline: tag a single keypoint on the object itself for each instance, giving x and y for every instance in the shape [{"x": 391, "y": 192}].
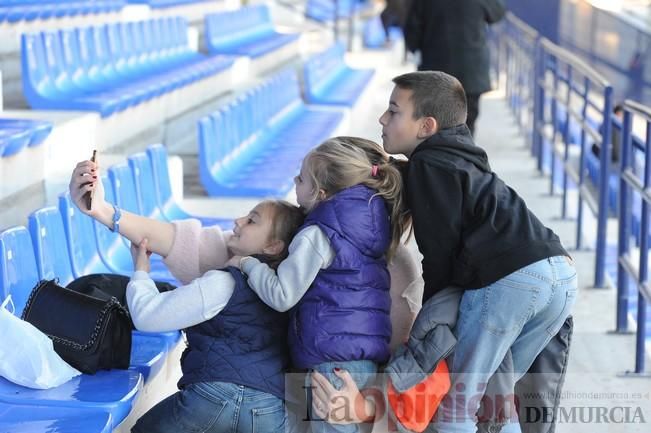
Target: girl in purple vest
[{"x": 335, "y": 281}]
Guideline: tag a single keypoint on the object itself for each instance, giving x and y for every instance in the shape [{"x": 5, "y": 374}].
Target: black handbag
[
  {"x": 89, "y": 333},
  {"x": 105, "y": 286}
]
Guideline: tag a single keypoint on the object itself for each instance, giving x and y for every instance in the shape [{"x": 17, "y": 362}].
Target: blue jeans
[
  {"x": 521, "y": 312},
  {"x": 215, "y": 407},
  {"x": 362, "y": 372}
]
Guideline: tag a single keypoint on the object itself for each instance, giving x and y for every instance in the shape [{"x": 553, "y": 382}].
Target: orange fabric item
[{"x": 416, "y": 407}]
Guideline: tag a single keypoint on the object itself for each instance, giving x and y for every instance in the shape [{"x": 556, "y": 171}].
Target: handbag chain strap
[{"x": 98, "y": 324}]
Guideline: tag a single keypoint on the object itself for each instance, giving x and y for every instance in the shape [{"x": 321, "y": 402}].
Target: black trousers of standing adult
[{"x": 473, "y": 110}]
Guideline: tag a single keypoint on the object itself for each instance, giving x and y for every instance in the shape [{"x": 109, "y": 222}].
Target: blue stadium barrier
[
  {"x": 254, "y": 146},
  {"x": 52, "y": 261},
  {"x": 247, "y": 31},
  {"x": 630, "y": 274},
  {"x": 14, "y": 11},
  {"x": 110, "y": 391},
  {"x": 42, "y": 419},
  {"x": 112, "y": 67},
  {"x": 163, "y": 190},
  {"x": 329, "y": 81}
]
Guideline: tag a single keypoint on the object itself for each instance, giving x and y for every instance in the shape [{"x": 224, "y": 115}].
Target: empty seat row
[
  {"x": 247, "y": 31},
  {"x": 254, "y": 145},
  {"x": 111, "y": 67},
  {"x": 15, "y": 134},
  {"x": 13, "y": 11},
  {"x": 330, "y": 81}
]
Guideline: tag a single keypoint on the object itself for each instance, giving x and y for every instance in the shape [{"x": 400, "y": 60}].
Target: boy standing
[{"x": 476, "y": 233}]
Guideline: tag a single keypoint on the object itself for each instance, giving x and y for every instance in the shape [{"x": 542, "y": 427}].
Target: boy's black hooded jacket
[{"x": 471, "y": 228}]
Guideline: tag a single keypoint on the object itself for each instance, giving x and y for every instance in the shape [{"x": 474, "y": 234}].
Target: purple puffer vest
[{"x": 344, "y": 316}]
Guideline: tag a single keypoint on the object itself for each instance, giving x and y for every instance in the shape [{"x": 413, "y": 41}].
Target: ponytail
[{"x": 343, "y": 162}]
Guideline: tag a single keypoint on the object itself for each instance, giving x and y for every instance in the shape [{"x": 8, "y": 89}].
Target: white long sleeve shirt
[
  {"x": 186, "y": 306},
  {"x": 309, "y": 252}
]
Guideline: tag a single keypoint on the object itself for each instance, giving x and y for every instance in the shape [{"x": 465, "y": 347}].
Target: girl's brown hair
[
  {"x": 342, "y": 162},
  {"x": 286, "y": 220}
]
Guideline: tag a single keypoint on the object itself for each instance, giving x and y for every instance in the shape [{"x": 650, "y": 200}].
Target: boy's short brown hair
[{"x": 436, "y": 94}]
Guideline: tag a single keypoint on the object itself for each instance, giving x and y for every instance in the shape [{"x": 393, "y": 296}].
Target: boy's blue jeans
[
  {"x": 521, "y": 312},
  {"x": 215, "y": 407},
  {"x": 362, "y": 372}
]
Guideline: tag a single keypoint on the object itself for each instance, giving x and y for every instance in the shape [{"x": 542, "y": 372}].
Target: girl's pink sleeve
[{"x": 196, "y": 250}]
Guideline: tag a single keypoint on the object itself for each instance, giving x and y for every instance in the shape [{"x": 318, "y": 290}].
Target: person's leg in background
[{"x": 473, "y": 110}]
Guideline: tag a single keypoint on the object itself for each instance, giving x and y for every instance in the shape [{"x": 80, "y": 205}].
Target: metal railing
[
  {"x": 630, "y": 182},
  {"x": 565, "y": 109},
  {"x": 577, "y": 96}
]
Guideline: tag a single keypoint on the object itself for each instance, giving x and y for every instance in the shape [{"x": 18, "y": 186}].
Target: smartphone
[{"x": 89, "y": 194}]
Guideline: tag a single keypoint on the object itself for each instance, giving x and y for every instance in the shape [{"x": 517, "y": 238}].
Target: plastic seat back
[
  {"x": 80, "y": 238},
  {"x": 35, "y": 76},
  {"x": 18, "y": 272},
  {"x": 124, "y": 187},
  {"x": 50, "y": 245},
  {"x": 158, "y": 157},
  {"x": 207, "y": 144},
  {"x": 145, "y": 185}
]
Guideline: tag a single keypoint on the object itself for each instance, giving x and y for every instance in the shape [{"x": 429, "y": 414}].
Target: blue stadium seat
[
  {"x": 80, "y": 237},
  {"x": 145, "y": 186},
  {"x": 43, "y": 419},
  {"x": 113, "y": 249},
  {"x": 112, "y": 67},
  {"x": 163, "y": 189},
  {"x": 50, "y": 246},
  {"x": 52, "y": 261},
  {"x": 18, "y": 272},
  {"x": 274, "y": 146},
  {"x": 111, "y": 391},
  {"x": 39, "y": 129},
  {"x": 13, "y": 140},
  {"x": 247, "y": 31},
  {"x": 329, "y": 81},
  {"x": 84, "y": 257},
  {"x": 29, "y": 10}
]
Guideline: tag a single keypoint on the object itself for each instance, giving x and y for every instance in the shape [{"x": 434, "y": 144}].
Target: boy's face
[{"x": 400, "y": 131}]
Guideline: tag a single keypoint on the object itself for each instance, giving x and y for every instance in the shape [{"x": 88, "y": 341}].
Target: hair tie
[{"x": 374, "y": 170}]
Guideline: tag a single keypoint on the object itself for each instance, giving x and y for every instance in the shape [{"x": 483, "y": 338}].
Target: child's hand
[
  {"x": 140, "y": 256},
  {"x": 234, "y": 261}
]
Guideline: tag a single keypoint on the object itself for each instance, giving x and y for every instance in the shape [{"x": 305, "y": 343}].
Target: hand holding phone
[{"x": 89, "y": 194}]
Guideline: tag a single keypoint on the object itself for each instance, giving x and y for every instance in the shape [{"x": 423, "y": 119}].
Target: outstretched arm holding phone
[{"x": 85, "y": 178}]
